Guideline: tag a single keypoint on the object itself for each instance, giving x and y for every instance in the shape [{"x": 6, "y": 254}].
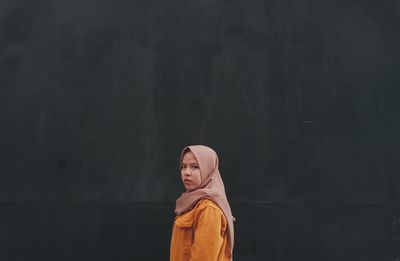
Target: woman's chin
[{"x": 189, "y": 188}]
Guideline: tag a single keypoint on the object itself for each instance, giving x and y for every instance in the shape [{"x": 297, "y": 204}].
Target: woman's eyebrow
[{"x": 190, "y": 163}]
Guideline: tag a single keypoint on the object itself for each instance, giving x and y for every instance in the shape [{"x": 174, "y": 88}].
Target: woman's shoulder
[
  {"x": 210, "y": 212},
  {"x": 207, "y": 203}
]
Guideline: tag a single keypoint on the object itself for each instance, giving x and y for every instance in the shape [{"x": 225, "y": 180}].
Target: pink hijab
[{"x": 211, "y": 187}]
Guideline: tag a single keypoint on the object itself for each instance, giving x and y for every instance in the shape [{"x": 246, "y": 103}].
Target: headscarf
[{"x": 211, "y": 187}]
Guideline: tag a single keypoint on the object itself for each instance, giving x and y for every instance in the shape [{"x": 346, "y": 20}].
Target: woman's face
[{"x": 190, "y": 172}]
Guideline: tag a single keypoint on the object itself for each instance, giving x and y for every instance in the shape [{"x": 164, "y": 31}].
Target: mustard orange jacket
[{"x": 200, "y": 234}]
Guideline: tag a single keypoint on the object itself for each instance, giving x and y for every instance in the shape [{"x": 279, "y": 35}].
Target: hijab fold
[{"x": 211, "y": 187}]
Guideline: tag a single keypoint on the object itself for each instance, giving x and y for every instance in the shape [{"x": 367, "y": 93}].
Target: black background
[{"x": 300, "y": 99}]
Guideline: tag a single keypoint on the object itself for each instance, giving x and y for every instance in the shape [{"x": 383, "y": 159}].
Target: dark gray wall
[{"x": 300, "y": 99}]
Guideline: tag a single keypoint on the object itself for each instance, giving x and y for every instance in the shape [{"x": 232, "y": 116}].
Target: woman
[{"x": 203, "y": 227}]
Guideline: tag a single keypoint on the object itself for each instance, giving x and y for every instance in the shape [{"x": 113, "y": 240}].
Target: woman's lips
[{"x": 187, "y": 181}]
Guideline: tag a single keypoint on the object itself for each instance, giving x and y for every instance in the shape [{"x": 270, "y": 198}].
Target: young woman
[{"x": 203, "y": 227}]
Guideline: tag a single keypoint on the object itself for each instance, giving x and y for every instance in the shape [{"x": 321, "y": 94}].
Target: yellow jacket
[{"x": 200, "y": 234}]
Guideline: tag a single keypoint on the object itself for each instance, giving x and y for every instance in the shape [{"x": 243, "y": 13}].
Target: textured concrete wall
[{"x": 301, "y": 100}]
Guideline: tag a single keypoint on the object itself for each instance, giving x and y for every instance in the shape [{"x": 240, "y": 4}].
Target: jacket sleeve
[{"x": 208, "y": 235}]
